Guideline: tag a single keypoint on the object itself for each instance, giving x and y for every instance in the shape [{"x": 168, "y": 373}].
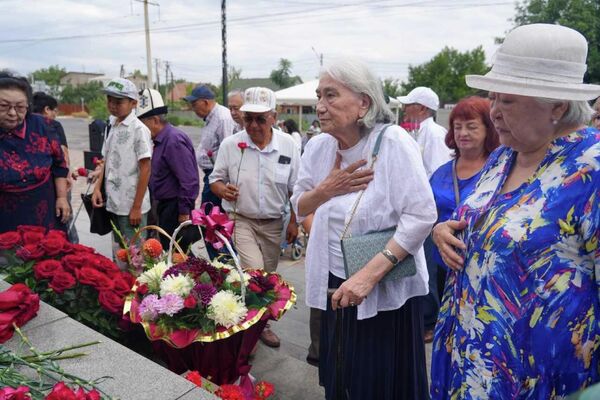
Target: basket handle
[
  {"x": 172, "y": 242},
  {"x": 236, "y": 261}
]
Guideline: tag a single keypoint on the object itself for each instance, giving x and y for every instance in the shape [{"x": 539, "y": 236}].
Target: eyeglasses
[
  {"x": 260, "y": 120},
  {"x": 19, "y": 108}
]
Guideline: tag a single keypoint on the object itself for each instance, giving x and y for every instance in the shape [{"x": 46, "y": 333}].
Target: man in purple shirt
[{"x": 174, "y": 181}]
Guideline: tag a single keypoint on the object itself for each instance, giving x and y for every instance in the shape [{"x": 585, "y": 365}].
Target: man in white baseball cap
[
  {"x": 254, "y": 175},
  {"x": 420, "y": 106}
]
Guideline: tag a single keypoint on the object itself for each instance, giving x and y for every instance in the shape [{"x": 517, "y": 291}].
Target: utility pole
[
  {"x": 224, "y": 40},
  {"x": 148, "y": 52},
  {"x": 157, "y": 61},
  {"x": 172, "y": 88},
  {"x": 166, "y": 78},
  {"x": 122, "y": 72},
  {"x": 319, "y": 56}
]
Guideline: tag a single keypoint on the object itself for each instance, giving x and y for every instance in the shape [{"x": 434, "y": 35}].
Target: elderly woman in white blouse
[{"x": 382, "y": 327}]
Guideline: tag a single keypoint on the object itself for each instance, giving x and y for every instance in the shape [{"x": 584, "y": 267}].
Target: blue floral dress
[{"x": 520, "y": 321}]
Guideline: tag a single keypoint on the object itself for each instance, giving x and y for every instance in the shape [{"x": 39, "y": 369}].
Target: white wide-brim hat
[{"x": 539, "y": 60}]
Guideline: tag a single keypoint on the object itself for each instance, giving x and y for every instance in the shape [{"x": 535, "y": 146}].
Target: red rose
[
  {"x": 104, "y": 265},
  {"x": 142, "y": 289},
  {"x": 20, "y": 393},
  {"x": 209, "y": 153},
  {"x": 57, "y": 233},
  {"x": 72, "y": 262},
  {"x": 130, "y": 279},
  {"x": 19, "y": 305},
  {"x": 121, "y": 286},
  {"x": 46, "y": 269},
  {"x": 190, "y": 302},
  {"x": 242, "y": 145},
  {"x": 82, "y": 171},
  {"x": 60, "y": 391},
  {"x": 53, "y": 245},
  {"x": 93, "y": 277},
  {"x": 8, "y": 240},
  {"x": 78, "y": 248},
  {"x": 30, "y": 252},
  {"x": 194, "y": 377},
  {"x": 7, "y": 329},
  {"x": 32, "y": 237},
  {"x": 31, "y": 228},
  {"x": 14, "y": 296},
  {"x": 111, "y": 301},
  {"x": 62, "y": 281}
]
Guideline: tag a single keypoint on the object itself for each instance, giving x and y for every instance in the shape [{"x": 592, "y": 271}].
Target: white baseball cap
[
  {"x": 150, "y": 103},
  {"x": 121, "y": 88},
  {"x": 422, "y": 95},
  {"x": 258, "y": 100}
]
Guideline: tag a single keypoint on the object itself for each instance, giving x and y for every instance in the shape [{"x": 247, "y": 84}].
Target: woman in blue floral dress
[{"x": 520, "y": 313}]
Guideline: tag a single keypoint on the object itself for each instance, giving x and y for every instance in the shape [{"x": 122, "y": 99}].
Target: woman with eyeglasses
[{"x": 33, "y": 171}]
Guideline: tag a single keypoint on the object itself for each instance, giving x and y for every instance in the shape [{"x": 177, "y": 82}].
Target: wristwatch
[{"x": 390, "y": 256}]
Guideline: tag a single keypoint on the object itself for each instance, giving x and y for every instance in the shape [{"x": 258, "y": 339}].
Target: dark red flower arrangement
[{"x": 72, "y": 277}]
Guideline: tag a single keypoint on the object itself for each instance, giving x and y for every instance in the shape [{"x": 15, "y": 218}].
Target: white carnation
[
  {"x": 153, "y": 276},
  {"x": 180, "y": 285},
  {"x": 220, "y": 265},
  {"x": 233, "y": 276},
  {"x": 227, "y": 309}
]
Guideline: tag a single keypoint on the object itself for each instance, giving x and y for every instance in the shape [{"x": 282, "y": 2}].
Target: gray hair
[
  {"x": 236, "y": 92},
  {"x": 356, "y": 76},
  {"x": 578, "y": 111}
]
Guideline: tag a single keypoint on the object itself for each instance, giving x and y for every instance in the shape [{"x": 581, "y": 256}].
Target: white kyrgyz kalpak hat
[
  {"x": 539, "y": 60},
  {"x": 121, "y": 88},
  {"x": 258, "y": 100},
  {"x": 422, "y": 95},
  {"x": 150, "y": 103}
]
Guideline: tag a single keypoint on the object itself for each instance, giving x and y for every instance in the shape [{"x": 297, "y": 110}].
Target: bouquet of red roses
[{"x": 72, "y": 277}]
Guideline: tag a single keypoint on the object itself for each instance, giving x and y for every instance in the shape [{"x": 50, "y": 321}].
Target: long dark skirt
[
  {"x": 32, "y": 207},
  {"x": 383, "y": 356}
]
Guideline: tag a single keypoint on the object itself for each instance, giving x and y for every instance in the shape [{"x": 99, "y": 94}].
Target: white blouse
[{"x": 398, "y": 195}]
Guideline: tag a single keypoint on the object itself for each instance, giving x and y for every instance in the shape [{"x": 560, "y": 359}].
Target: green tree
[
  {"x": 51, "y": 75},
  {"x": 392, "y": 87},
  {"x": 581, "y": 15},
  {"x": 282, "y": 76},
  {"x": 88, "y": 92},
  {"x": 445, "y": 73}
]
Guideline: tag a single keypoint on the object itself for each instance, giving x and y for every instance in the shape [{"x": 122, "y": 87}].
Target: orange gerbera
[
  {"x": 122, "y": 255},
  {"x": 178, "y": 258}
]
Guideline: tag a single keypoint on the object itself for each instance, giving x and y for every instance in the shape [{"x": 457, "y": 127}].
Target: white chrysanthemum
[
  {"x": 220, "y": 265},
  {"x": 180, "y": 285},
  {"x": 233, "y": 276},
  {"x": 227, "y": 309},
  {"x": 153, "y": 277}
]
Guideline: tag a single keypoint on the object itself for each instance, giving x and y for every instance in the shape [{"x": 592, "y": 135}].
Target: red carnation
[
  {"x": 82, "y": 171},
  {"x": 111, "y": 301},
  {"x": 209, "y": 153},
  {"x": 242, "y": 145},
  {"x": 194, "y": 377},
  {"x": 20, "y": 393},
  {"x": 8, "y": 240},
  {"x": 190, "y": 302},
  {"x": 263, "y": 390},
  {"x": 62, "y": 281},
  {"x": 230, "y": 392},
  {"x": 46, "y": 269},
  {"x": 61, "y": 391}
]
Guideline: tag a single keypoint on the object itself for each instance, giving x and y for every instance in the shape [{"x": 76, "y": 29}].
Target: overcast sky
[{"x": 100, "y": 35}]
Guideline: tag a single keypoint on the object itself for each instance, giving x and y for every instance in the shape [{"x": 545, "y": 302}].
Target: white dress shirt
[
  {"x": 398, "y": 195},
  {"x": 219, "y": 125},
  {"x": 431, "y": 139},
  {"x": 266, "y": 177}
]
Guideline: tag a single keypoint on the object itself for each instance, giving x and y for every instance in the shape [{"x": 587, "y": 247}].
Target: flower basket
[{"x": 207, "y": 317}]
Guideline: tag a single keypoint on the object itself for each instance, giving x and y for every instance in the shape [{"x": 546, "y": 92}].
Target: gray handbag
[{"x": 359, "y": 250}]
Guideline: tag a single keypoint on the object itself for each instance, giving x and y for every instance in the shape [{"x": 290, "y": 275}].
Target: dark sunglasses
[{"x": 260, "y": 120}]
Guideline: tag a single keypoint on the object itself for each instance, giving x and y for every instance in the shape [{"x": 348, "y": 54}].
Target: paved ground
[{"x": 285, "y": 367}]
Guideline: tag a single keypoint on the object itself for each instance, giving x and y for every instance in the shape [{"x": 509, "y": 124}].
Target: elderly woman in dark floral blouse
[{"x": 33, "y": 184}]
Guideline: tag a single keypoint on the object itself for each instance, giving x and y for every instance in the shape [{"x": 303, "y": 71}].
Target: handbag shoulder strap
[{"x": 374, "y": 154}]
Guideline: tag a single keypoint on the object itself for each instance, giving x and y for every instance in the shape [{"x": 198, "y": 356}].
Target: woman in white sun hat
[{"x": 520, "y": 313}]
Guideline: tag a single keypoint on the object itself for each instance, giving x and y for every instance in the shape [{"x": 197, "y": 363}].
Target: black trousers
[{"x": 168, "y": 219}]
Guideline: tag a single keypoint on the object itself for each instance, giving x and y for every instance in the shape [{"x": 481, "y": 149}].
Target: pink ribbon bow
[{"x": 214, "y": 221}]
